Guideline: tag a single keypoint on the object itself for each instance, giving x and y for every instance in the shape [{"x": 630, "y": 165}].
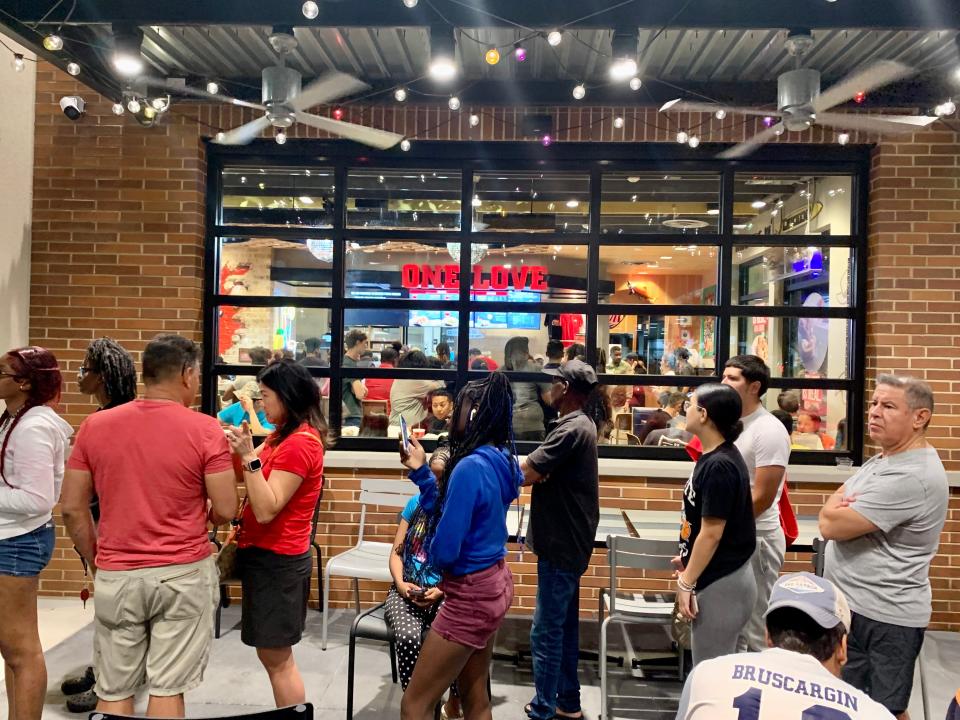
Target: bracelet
[{"x": 684, "y": 586}]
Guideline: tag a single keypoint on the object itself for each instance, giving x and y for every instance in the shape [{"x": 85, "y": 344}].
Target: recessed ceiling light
[
  {"x": 633, "y": 179},
  {"x": 305, "y": 200},
  {"x": 666, "y": 257},
  {"x": 758, "y": 204},
  {"x": 573, "y": 203},
  {"x": 713, "y": 211}
]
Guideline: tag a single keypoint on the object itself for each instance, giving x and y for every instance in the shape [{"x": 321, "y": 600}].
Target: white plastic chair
[
  {"x": 656, "y": 609},
  {"x": 367, "y": 560}
]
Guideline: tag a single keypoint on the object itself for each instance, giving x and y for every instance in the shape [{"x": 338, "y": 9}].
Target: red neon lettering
[
  {"x": 479, "y": 282},
  {"x": 538, "y": 279},
  {"x": 452, "y": 280},
  {"x": 410, "y": 276},
  {"x": 499, "y": 277},
  {"x": 519, "y": 276}
]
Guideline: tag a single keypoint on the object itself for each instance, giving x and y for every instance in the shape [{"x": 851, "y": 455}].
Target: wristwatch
[{"x": 253, "y": 465}]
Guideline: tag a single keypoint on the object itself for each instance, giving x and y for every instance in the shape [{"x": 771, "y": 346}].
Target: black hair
[
  {"x": 397, "y": 347},
  {"x": 794, "y": 630},
  {"x": 354, "y": 338},
  {"x": 434, "y": 363},
  {"x": 479, "y": 364},
  {"x": 414, "y": 359},
  {"x": 474, "y": 351},
  {"x": 442, "y": 392},
  {"x": 389, "y": 355},
  {"x": 577, "y": 351},
  {"x": 115, "y": 367},
  {"x": 167, "y": 356},
  {"x": 300, "y": 395},
  {"x": 554, "y": 349},
  {"x": 443, "y": 349},
  {"x": 259, "y": 355},
  {"x": 753, "y": 368},
  {"x": 723, "y": 406},
  {"x": 597, "y": 407},
  {"x": 784, "y": 417},
  {"x": 312, "y": 344}
]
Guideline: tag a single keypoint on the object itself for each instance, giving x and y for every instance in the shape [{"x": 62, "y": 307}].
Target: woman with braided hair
[
  {"x": 465, "y": 539},
  {"x": 33, "y": 445}
]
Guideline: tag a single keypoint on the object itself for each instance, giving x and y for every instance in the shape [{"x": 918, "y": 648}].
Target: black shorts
[
  {"x": 276, "y": 589},
  {"x": 880, "y": 660}
]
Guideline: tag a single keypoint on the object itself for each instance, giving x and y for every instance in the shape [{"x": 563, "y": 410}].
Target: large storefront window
[{"x": 395, "y": 287}]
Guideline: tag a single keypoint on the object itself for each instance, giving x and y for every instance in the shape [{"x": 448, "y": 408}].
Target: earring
[{"x": 22, "y": 388}]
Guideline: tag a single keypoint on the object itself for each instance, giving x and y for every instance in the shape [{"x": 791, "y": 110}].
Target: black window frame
[{"x": 467, "y": 158}]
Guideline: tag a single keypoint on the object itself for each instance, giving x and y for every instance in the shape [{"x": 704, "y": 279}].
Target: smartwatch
[{"x": 253, "y": 465}]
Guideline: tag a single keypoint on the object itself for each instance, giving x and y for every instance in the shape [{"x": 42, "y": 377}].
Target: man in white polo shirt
[{"x": 765, "y": 446}]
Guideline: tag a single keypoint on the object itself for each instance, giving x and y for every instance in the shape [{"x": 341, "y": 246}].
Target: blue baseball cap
[{"x": 812, "y": 595}]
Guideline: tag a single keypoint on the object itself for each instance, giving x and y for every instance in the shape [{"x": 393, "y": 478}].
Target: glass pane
[
  {"x": 420, "y": 330},
  {"x": 662, "y": 275},
  {"x": 798, "y": 276},
  {"x": 652, "y": 415},
  {"x": 657, "y": 203},
  {"x": 490, "y": 333},
  {"x": 664, "y": 344},
  {"x": 278, "y": 197},
  {"x": 531, "y": 202},
  {"x": 403, "y": 199},
  {"x": 777, "y": 204},
  {"x": 795, "y": 347},
  {"x": 426, "y": 404},
  {"x": 401, "y": 270},
  {"x": 256, "y": 334},
  {"x": 276, "y": 267},
  {"x": 529, "y": 272},
  {"x": 816, "y": 418},
  {"x": 230, "y": 410}
]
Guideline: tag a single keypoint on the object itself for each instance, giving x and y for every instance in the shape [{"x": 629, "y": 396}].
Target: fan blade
[
  {"x": 380, "y": 139},
  {"x": 685, "y": 106},
  {"x": 747, "y": 147},
  {"x": 245, "y": 133},
  {"x": 876, "y": 75},
  {"x": 331, "y": 86},
  {"x": 876, "y": 123},
  {"x": 175, "y": 88}
]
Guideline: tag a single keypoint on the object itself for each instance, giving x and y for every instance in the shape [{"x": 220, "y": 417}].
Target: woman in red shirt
[{"x": 284, "y": 479}]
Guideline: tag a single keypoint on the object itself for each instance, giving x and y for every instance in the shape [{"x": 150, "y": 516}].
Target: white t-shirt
[
  {"x": 775, "y": 684},
  {"x": 764, "y": 442}
]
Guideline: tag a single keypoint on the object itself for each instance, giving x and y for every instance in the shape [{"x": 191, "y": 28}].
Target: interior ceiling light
[
  {"x": 573, "y": 204},
  {"x": 310, "y": 10},
  {"x": 623, "y": 66},
  {"x": 400, "y": 94},
  {"x": 758, "y": 204},
  {"x": 636, "y": 83},
  {"x": 53, "y": 42},
  {"x": 492, "y": 56},
  {"x": 126, "y": 51},
  {"x": 555, "y": 37},
  {"x": 410, "y": 3},
  {"x": 305, "y": 199},
  {"x": 73, "y": 68},
  {"x": 442, "y": 54},
  {"x": 713, "y": 211},
  {"x": 579, "y": 92}
]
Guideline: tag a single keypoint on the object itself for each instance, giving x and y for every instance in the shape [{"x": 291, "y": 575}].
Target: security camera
[{"x": 72, "y": 106}]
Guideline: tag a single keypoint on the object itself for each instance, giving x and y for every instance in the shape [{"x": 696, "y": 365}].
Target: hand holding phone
[{"x": 405, "y": 434}]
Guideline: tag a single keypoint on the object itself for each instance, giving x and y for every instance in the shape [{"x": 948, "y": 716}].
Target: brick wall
[{"x": 118, "y": 248}]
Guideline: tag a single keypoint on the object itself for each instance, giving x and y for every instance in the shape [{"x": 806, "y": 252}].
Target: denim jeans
[{"x": 555, "y": 642}]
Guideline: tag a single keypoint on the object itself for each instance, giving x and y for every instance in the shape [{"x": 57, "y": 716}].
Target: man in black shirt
[{"x": 564, "y": 514}]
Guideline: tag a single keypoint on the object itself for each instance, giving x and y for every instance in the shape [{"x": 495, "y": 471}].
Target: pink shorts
[{"x": 474, "y": 605}]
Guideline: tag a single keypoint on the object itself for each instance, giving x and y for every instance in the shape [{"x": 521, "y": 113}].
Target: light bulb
[
  {"x": 149, "y": 113},
  {"x": 720, "y": 114},
  {"x": 476, "y": 201},
  {"x": 159, "y": 104},
  {"x": 694, "y": 141},
  {"x": 213, "y": 88},
  {"x": 682, "y": 137},
  {"x": 280, "y": 137},
  {"x": 453, "y": 103},
  {"x": 410, "y": 3},
  {"x": 400, "y": 94},
  {"x": 127, "y": 64},
  {"x": 405, "y": 145},
  {"x": 555, "y": 37},
  {"x": 947, "y": 108},
  {"x": 843, "y": 138},
  {"x": 443, "y": 69},
  {"x": 618, "y": 122},
  {"x": 579, "y": 92},
  {"x": 767, "y": 120},
  {"x": 133, "y": 106},
  {"x": 18, "y": 63},
  {"x": 117, "y": 108},
  {"x": 220, "y": 137},
  {"x": 338, "y": 113},
  {"x": 492, "y": 56},
  {"x": 546, "y": 141},
  {"x": 310, "y": 10},
  {"x": 53, "y": 42},
  {"x": 520, "y": 53},
  {"x": 73, "y": 69},
  {"x": 636, "y": 83},
  {"x": 623, "y": 68},
  {"x": 474, "y": 120},
  {"x": 778, "y": 129}
]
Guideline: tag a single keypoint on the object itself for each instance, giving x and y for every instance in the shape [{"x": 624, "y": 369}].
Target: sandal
[
  {"x": 444, "y": 716},
  {"x": 556, "y": 713}
]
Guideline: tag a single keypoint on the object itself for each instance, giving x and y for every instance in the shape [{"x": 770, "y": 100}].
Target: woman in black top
[{"x": 716, "y": 587}]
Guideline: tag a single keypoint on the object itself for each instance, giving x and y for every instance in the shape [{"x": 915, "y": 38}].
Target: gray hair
[{"x": 918, "y": 393}]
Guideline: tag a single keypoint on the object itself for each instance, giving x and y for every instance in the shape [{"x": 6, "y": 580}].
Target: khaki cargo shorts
[{"x": 155, "y": 626}]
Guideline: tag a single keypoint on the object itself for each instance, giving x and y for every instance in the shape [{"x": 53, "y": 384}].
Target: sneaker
[
  {"x": 79, "y": 683},
  {"x": 83, "y": 703}
]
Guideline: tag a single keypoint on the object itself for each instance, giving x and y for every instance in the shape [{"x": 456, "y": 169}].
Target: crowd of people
[{"x": 840, "y": 646}]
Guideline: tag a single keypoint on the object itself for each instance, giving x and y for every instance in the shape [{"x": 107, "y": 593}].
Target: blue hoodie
[{"x": 472, "y": 532}]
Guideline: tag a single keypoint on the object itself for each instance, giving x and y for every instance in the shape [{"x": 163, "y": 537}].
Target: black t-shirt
[
  {"x": 719, "y": 487},
  {"x": 565, "y": 508}
]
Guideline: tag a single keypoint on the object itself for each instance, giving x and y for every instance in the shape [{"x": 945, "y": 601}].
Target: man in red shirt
[{"x": 161, "y": 471}]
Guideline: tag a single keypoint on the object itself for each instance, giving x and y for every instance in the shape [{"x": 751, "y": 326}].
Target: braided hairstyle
[
  {"x": 116, "y": 370},
  {"x": 38, "y": 366},
  {"x": 490, "y": 423}
]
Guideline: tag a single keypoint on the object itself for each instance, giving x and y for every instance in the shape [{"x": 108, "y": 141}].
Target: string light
[
  {"x": 843, "y": 138},
  {"x": 618, "y": 122},
  {"x": 159, "y": 104},
  {"x": 133, "y": 106},
  {"x": 18, "y": 63},
  {"x": 555, "y": 38},
  {"x": 694, "y": 141},
  {"x": 779, "y": 129},
  {"x": 860, "y": 97},
  {"x": 310, "y": 10},
  {"x": 405, "y": 145},
  {"x": 682, "y": 137},
  {"x": 338, "y": 113},
  {"x": 53, "y": 42},
  {"x": 474, "y": 120},
  {"x": 410, "y": 3},
  {"x": 519, "y": 53},
  {"x": 767, "y": 120},
  {"x": 220, "y": 137},
  {"x": 492, "y": 56},
  {"x": 280, "y": 137},
  {"x": 720, "y": 114},
  {"x": 213, "y": 88},
  {"x": 944, "y": 109},
  {"x": 579, "y": 92},
  {"x": 400, "y": 94},
  {"x": 636, "y": 83},
  {"x": 73, "y": 69},
  {"x": 117, "y": 108},
  {"x": 453, "y": 103},
  {"x": 546, "y": 141}
]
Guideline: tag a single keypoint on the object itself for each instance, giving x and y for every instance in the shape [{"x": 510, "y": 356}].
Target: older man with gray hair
[{"x": 884, "y": 525}]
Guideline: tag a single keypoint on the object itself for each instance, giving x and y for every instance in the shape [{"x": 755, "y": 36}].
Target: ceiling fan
[
  {"x": 284, "y": 102},
  {"x": 800, "y": 104}
]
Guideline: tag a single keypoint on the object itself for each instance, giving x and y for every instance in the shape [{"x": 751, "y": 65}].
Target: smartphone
[
  {"x": 405, "y": 434},
  {"x": 418, "y": 593}
]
